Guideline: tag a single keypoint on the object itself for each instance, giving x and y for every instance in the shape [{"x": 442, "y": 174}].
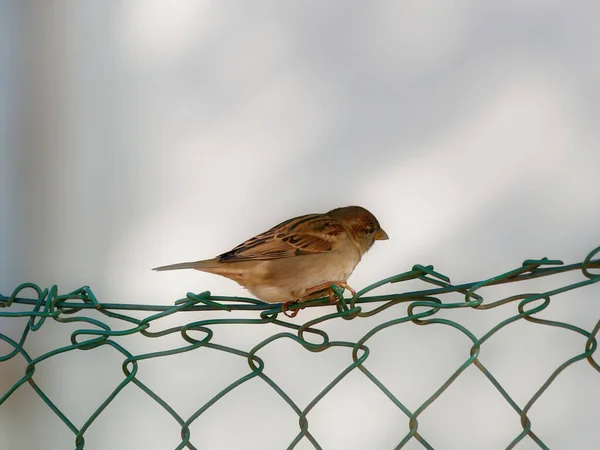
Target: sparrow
[{"x": 299, "y": 259}]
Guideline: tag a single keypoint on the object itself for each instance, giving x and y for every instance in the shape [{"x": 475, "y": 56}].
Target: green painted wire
[{"x": 47, "y": 303}]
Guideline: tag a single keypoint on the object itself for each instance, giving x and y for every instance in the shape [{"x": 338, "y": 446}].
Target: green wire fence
[{"x": 423, "y": 306}]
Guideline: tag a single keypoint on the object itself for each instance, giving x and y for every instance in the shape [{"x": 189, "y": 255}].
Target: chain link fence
[{"x": 82, "y": 308}]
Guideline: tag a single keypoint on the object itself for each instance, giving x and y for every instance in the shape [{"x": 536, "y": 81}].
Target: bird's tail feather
[{"x": 198, "y": 265}]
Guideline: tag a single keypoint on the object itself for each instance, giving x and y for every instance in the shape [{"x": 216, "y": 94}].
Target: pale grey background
[{"x": 140, "y": 133}]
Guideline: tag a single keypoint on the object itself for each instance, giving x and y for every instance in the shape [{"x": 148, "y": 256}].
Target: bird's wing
[{"x": 304, "y": 235}]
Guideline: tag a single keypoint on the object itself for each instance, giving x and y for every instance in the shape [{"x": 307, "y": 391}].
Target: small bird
[{"x": 299, "y": 259}]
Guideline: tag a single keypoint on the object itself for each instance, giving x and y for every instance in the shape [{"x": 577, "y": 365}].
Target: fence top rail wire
[{"x": 47, "y": 303}]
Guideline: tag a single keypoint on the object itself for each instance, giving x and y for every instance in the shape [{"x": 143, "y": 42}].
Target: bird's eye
[{"x": 370, "y": 229}]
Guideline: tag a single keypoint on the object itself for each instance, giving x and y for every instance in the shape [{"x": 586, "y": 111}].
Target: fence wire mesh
[{"x": 423, "y": 306}]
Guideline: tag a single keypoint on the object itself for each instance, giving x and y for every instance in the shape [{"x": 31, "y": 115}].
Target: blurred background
[{"x": 144, "y": 132}]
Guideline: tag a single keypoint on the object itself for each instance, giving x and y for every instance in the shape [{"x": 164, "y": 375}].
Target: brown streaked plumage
[{"x": 300, "y": 258}]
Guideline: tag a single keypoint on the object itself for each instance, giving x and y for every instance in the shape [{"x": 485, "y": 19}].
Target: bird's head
[{"x": 361, "y": 224}]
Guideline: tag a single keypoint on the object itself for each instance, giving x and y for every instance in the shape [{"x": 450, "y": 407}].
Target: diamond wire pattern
[{"x": 423, "y": 305}]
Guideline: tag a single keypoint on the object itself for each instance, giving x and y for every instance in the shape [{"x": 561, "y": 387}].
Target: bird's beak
[{"x": 381, "y": 236}]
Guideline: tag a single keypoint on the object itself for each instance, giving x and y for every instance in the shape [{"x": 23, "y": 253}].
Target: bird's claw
[
  {"x": 339, "y": 284},
  {"x": 286, "y": 312}
]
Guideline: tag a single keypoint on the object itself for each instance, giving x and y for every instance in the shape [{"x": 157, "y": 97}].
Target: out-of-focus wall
[
  {"x": 140, "y": 133},
  {"x": 7, "y": 136}
]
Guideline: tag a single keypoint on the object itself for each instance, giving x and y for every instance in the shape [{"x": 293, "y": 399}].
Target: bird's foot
[
  {"x": 309, "y": 294},
  {"x": 287, "y": 312},
  {"x": 340, "y": 284},
  {"x": 327, "y": 286}
]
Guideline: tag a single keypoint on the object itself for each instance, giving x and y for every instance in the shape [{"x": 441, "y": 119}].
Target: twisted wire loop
[{"x": 423, "y": 306}]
